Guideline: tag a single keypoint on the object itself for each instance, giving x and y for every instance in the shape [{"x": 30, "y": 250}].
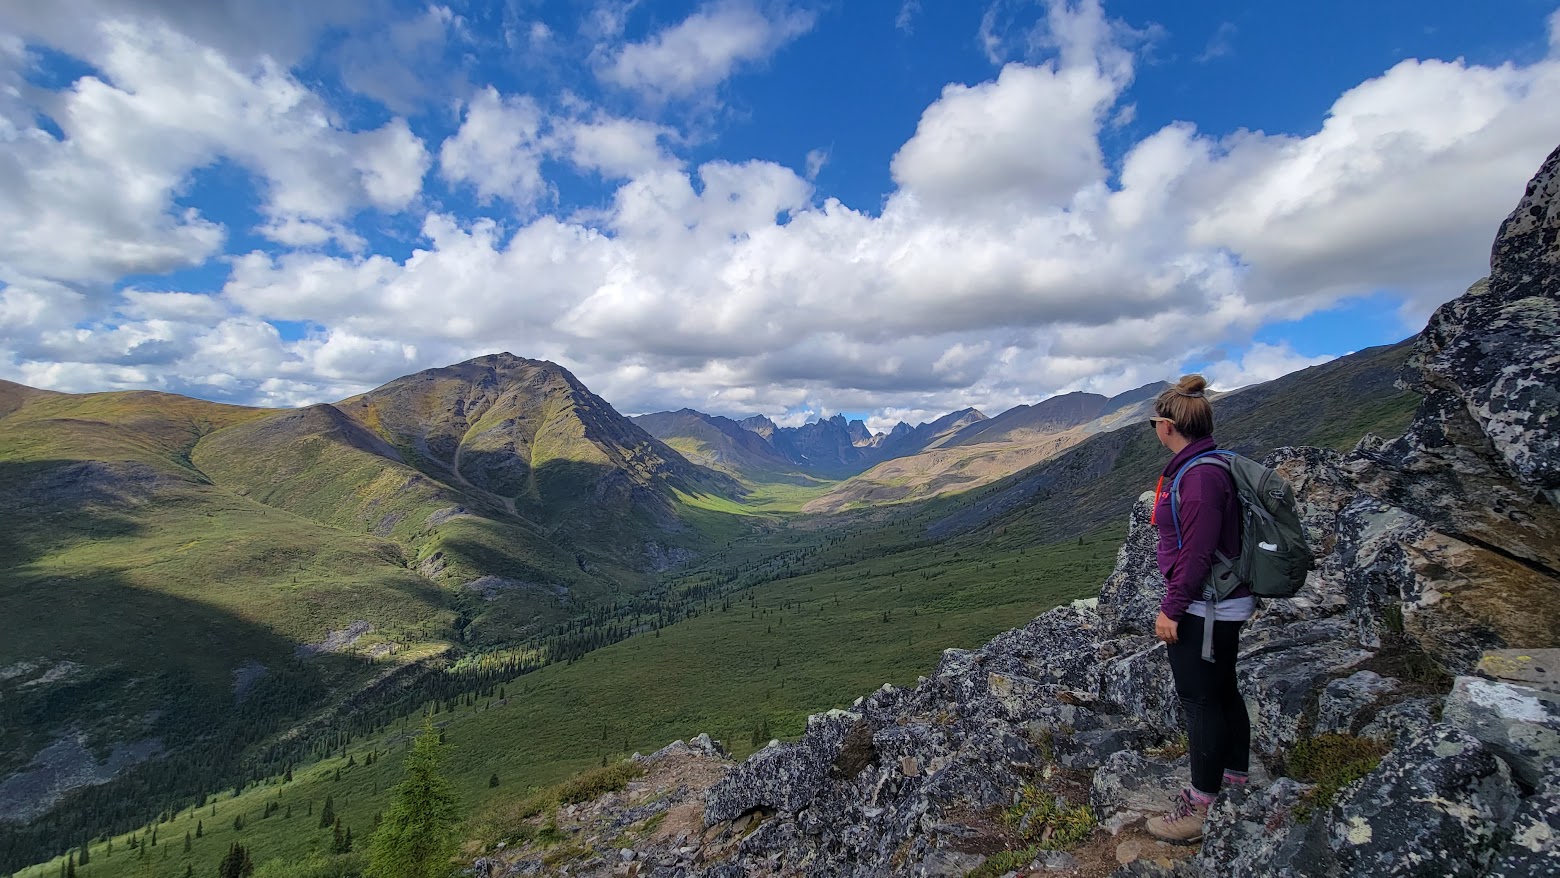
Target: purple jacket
[{"x": 1210, "y": 520}]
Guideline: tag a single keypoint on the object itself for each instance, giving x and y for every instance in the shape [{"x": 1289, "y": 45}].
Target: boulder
[
  {"x": 1129, "y": 599},
  {"x": 1539, "y": 668},
  {"x": 1436, "y": 807},
  {"x": 1519, "y": 723},
  {"x": 1254, "y": 833},
  {"x": 783, "y": 777},
  {"x": 1533, "y": 850},
  {"x": 1346, "y": 701},
  {"x": 1129, "y": 786}
]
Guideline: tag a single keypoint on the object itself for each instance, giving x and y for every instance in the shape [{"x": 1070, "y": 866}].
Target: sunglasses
[{"x": 1155, "y": 421}]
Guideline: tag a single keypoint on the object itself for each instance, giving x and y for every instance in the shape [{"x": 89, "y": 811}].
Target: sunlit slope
[
  {"x": 1096, "y": 482},
  {"x": 530, "y": 437},
  {"x": 143, "y": 607},
  {"x": 984, "y": 451}
]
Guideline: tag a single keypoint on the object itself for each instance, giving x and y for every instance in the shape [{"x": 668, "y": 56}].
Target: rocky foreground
[{"x": 1405, "y": 708}]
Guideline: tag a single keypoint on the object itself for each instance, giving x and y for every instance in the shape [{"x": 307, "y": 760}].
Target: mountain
[
  {"x": 1095, "y": 481},
  {"x": 200, "y": 582},
  {"x": 974, "y": 450},
  {"x": 718, "y": 443},
  {"x": 831, "y": 447}
]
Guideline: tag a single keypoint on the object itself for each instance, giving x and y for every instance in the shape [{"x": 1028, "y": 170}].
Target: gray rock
[
  {"x": 1539, "y": 668},
  {"x": 1345, "y": 701},
  {"x": 785, "y": 777},
  {"x": 1129, "y": 600},
  {"x": 1130, "y": 786},
  {"x": 1283, "y": 671},
  {"x": 1134, "y": 678},
  {"x": 1533, "y": 850},
  {"x": 1253, "y": 833},
  {"x": 1521, "y": 724},
  {"x": 1436, "y": 806},
  {"x": 1400, "y": 720}
]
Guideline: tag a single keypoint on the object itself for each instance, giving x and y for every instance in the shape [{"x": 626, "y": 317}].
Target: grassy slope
[
  {"x": 782, "y": 651},
  {"x": 166, "y": 584}
]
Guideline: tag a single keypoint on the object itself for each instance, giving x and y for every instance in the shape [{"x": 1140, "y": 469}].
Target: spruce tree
[
  {"x": 337, "y": 839},
  {"x": 86, "y": 853},
  {"x": 236, "y": 864},
  {"x": 493, "y": 781},
  {"x": 189, "y": 871},
  {"x": 328, "y": 813},
  {"x": 200, "y": 829},
  {"x": 70, "y": 867},
  {"x": 186, "y": 841},
  {"x": 418, "y": 834}
]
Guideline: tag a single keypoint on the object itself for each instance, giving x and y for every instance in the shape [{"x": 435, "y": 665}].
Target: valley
[{"x": 455, "y": 542}]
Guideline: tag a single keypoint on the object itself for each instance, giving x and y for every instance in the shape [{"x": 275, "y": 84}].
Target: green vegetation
[
  {"x": 419, "y": 833},
  {"x": 1331, "y": 761},
  {"x": 784, "y": 649},
  {"x": 510, "y": 820}
]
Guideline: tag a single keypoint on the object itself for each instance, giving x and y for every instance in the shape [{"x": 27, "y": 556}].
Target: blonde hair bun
[{"x": 1191, "y": 385}]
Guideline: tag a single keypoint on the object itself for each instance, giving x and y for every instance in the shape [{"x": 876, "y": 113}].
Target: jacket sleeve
[{"x": 1202, "y": 518}]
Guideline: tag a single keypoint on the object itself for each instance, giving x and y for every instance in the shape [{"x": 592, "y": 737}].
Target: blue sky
[{"x": 749, "y": 206}]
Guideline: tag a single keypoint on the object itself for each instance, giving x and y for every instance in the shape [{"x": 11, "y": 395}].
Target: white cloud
[
  {"x": 1261, "y": 362},
  {"x": 614, "y": 147},
  {"x": 703, "y": 50},
  {"x": 100, "y": 203},
  {"x": 1012, "y": 261},
  {"x": 499, "y": 149},
  {"x": 816, "y": 159}
]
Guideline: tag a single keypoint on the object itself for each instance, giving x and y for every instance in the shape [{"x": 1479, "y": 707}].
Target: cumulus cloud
[
  {"x": 1261, "y": 362},
  {"x": 499, "y": 148},
  {"x": 1012, "y": 260},
  {"x": 100, "y": 202},
  {"x": 701, "y": 51}
]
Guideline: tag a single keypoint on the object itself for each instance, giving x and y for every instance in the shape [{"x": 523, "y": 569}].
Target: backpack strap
[{"x": 1219, "y": 458}]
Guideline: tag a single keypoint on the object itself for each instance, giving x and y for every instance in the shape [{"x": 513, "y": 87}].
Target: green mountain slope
[
  {"x": 207, "y": 583},
  {"x": 1096, "y": 482}
]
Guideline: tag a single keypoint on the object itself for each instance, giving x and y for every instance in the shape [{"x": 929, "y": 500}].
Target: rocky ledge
[{"x": 1405, "y": 708}]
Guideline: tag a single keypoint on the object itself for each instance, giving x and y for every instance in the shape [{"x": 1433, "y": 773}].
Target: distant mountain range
[
  {"x": 837, "y": 448},
  {"x": 958, "y": 451}
]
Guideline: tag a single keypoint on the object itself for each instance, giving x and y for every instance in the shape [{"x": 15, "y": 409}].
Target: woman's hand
[{"x": 1165, "y": 628}]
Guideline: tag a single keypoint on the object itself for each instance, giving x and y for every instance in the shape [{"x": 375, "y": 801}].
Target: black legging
[{"x": 1218, "y": 731}]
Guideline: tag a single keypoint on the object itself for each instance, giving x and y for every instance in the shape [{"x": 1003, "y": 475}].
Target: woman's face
[{"x": 1163, "y": 427}]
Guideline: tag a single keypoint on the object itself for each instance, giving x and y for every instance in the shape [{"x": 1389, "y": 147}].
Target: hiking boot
[{"x": 1184, "y": 823}]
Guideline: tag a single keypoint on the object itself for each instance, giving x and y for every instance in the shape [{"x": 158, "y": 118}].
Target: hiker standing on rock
[{"x": 1207, "y": 509}]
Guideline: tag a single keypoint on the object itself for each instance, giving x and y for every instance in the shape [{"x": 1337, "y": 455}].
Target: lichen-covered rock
[
  {"x": 1254, "y": 833},
  {"x": 1129, "y": 599},
  {"x": 1134, "y": 678},
  {"x": 1346, "y": 701},
  {"x": 1539, "y": 668},
  {"x": 1129, "y": 786},
  {"x": 783, "y": 777},
  {"x": 1283, "y": 671},
  {"x": 1520, "y": 723},
  {"x": 1436, "y": 807},
  {"x": 1499, "y": 351},
  {"x": 1533, "y": 850}
]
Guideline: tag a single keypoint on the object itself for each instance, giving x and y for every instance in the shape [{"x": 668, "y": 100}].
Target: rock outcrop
[{"x": 1423, "y": 649}]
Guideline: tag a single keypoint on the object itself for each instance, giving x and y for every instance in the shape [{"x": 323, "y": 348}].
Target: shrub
[{"x": 1331, "y": 761}]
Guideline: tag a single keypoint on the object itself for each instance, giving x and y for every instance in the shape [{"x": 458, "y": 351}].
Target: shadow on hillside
[{"x": 89, "y": 656}]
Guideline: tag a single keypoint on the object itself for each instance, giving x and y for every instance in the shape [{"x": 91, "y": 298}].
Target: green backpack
[{"x": 1274, "y": 555}]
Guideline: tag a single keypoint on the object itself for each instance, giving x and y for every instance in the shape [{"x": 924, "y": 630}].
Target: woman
[{"x": 1218, "y": 731}]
